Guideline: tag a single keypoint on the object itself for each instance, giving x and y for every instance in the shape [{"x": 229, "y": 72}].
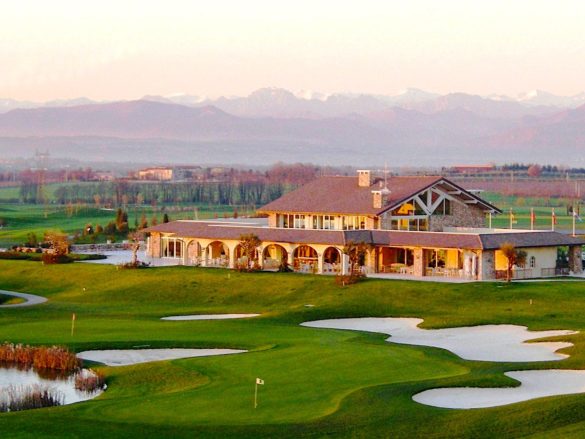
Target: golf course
[{"x": 318, "y": 382}]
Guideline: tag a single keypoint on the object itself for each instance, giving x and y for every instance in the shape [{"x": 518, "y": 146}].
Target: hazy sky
[{"x": 125, "y": 49}]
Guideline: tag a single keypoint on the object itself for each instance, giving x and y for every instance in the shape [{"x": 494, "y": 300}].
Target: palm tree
[{"x": 513, "y": 257}]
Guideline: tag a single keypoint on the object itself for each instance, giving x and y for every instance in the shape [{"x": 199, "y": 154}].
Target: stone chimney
[{"x": 364, "y": 178}]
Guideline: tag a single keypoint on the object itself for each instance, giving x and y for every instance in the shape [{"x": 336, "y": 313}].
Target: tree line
[{"x": 121, "y": 193}]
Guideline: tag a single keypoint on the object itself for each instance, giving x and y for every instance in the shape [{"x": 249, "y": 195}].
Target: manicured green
[
  {"x": 23, "y": 219},
  {"x": 521, "y": 207},
  {"x": 10, "y": 300},
  {"x": 318, "y": 382}
]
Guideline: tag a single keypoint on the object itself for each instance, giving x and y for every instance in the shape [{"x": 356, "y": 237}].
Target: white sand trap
[
  {"x": 535, "y": 384},
  {"x": 211, "y": 317},
  {"x": 125, "y": 357},
  {"x": 502, "y": 343}
]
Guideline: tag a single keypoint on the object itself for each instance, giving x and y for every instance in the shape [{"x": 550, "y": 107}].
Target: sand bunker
[
  {"x": 125, "y": 357},
  {"x": 211, "y": 317},
  {"x": 501, "y": 343},
  {"x": 535, "y": 384}
]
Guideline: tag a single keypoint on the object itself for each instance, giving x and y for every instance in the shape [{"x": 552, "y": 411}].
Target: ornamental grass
[
  {"x": 41, "y": 357},
  {"x": 17, "y": 398}
]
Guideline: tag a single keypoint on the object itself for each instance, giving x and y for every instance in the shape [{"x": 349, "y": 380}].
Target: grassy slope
[{"x": 318, "y": 382}]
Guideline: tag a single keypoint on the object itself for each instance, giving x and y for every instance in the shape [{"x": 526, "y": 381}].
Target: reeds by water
[
  {"x": 41, "y": 357},
  {"x": 36, "y": 396},
  {"x": 89, "y": 380}
]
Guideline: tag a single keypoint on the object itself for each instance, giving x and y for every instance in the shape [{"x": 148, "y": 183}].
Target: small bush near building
[{"x": 348, "y": 279}]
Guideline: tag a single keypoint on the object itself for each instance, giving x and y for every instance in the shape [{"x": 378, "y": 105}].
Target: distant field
[
  {"x": 22, "y": 219},
  {"x": 542, "y": 210},
  {"x": 11, "y": 194}
]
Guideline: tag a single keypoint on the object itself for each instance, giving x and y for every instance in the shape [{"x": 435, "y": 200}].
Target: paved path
[{"x": 31, "y": 299}]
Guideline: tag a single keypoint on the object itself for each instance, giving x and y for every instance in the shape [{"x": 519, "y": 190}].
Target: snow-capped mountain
[{"x": 539, "y": 97}]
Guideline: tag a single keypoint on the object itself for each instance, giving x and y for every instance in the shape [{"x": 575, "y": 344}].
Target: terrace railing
[{"x": 551, "y": 272}]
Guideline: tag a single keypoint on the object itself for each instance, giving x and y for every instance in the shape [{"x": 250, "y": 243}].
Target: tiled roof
[
  {"x": 211, "y": 230},
  {"x": 529, "y": 239},
  {"x": 427, "y": 239},
  {"x": 472, "y": 241},
  {"x": 343, "y": 195}
]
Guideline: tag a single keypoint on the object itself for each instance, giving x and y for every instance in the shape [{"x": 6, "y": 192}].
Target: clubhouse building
[{"x": 413, "y": 226}]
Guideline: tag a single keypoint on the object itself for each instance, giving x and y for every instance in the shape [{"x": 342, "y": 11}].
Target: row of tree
[{"x": 123, "y": 193}]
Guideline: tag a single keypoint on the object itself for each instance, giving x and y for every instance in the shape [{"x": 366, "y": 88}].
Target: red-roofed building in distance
[{"x": 415, "y": 226}]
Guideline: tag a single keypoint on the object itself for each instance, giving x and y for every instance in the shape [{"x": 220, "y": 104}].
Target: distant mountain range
[
  {"x": 278, "y": 102},
  {"x": 412, "y": 128}
]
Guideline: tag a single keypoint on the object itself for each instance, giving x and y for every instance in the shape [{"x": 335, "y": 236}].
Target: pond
[{"x": 16, "y": 382}]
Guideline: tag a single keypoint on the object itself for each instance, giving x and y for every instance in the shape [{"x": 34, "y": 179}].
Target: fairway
[
  {"x": 22, "y": 219},
  {"x": 318, "y": 382}
]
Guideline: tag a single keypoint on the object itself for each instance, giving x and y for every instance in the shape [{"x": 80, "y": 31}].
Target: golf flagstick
[{"x": 261, "y": 382}]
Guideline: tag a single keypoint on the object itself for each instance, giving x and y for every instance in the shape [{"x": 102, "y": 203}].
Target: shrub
[
  {"x": 133, "y": 265},
  {"x": 14, "y": 255},
  {"x": 52, "y": 258},
  {"x": 348, "y": 279}
]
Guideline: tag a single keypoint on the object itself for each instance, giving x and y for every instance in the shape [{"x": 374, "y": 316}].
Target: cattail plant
[
  {"x": 17, "y": 398},
  {"x": 42, "y": 357}
]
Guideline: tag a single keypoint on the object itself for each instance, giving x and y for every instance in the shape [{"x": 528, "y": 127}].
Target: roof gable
[{"x": 343, "y": 195}]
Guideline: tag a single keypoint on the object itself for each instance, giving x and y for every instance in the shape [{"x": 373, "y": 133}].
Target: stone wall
[
  {"x": 463, "y": 215},
  {"x": 420, "y": 262},
  {"x": 487, "y": 265},
  {"x": 154, "y": 245},
  {"x": 575, "y": 261}
]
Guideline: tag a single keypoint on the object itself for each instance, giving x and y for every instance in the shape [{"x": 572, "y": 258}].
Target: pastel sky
[{"x": 125, "y": 49}]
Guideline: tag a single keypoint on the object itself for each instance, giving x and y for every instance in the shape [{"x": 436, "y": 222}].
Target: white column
[
  {"x": 344, "y": 264},
  {"x": 185, "y": 245},
  {"x": 320, "y": 262},
  {"x": 260, "y": 251},
  {"x": 204, "y": 256},
  {"x": 232, "y": 257}
]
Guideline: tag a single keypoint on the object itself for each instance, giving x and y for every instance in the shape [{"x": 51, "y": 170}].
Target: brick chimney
[
  {"x": 378, "y": 199},
  {"x": 364, "y": 178}
]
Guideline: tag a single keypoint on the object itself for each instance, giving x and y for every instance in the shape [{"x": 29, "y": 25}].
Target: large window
[
  {"x": 293, "y": 221},
  {"x": 172, "y": 248},
  {"x": 415, "y": 224},
  {"x": 444, "y": 208},
  {"x": 323, "y": 222},
  {"x": 299, "y": 222},
  {"x": 353, "y": 222}
]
